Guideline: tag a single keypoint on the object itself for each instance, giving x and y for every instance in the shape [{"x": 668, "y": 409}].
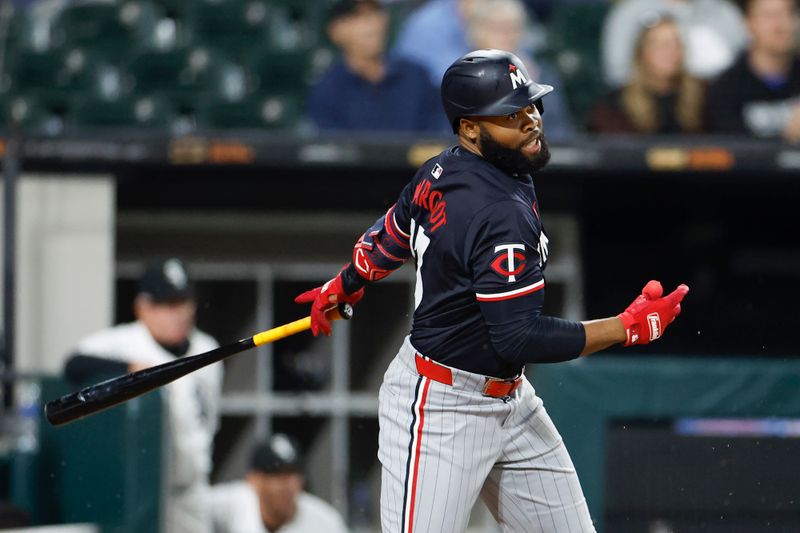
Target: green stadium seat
[
  {"x": 24, "y": 33},
  {"x": 275, "y": 71},
  {"x": 35, "y": 116},
  {"x": 142, "y": 112},
  {"x": 59, "y": 74},
  {"x": 261, "y": 111},
  {"x": 187, "y": 74},
  {"x": 30, "y": 70},
  {"x": 573, "y": 35},
  {"x": 113, "y": 28},
  {"x": 233, "y": 26},
  {"x": 297, "y": 24}
]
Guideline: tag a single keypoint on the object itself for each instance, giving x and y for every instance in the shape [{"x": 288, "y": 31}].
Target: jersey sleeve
[
  {"x": 502, "y": 248},
  {"x": 383, "y": 248}
]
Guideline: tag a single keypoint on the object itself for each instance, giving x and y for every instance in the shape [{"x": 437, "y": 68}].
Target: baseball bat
[{"x": 101, "y": 396}]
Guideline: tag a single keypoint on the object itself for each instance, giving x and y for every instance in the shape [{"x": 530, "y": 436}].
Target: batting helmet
[{"x": 487, "y": 83}]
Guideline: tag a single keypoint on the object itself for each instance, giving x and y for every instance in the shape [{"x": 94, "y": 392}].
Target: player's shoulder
[
  {"x": 232, "y": 490},
  {"x": 468, "y": 185},
  {"x": 109, "y": 339},
  {"x": 457, "y": 169}
]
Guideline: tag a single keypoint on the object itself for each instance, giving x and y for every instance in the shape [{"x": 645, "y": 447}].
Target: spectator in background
[
  {"x": 660, "y": 96},
  {"x": 271, "y": 496},
  {"x": 713, "y": 33},
  {"x": 435, "y": 35},
  {"x": 365, "y": 90},
  {"x": 164, "y": 329},
  {"x": 501, "y": 24},
  {"x": 760, "y": 94}
]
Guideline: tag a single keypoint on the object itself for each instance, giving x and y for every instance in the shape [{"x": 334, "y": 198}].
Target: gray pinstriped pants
[{"x": 442, "y": 446}]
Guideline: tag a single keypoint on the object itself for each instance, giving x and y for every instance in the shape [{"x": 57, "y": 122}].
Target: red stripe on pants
[{"x": 416, "y": 454}]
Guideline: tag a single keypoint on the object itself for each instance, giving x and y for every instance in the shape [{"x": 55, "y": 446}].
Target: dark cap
[
  {"x": 166, "y": 280},
  {"x": 345, "y": 8},
  {"x": 278, "y": 455}
]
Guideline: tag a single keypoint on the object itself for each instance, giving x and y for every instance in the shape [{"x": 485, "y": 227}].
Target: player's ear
[{"x": 470, "y": 129}]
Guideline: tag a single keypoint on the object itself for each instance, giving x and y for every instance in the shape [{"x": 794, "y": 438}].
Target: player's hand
[
  {"x": 649, "y": 314},
  {"x": 323, "y": 298}
]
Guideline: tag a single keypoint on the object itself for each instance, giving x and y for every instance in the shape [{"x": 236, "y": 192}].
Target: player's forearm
[
  {"x": 381, "y": 250},
  {"x": 601, "y": 334},
  {"x": 538, "y": 339}
]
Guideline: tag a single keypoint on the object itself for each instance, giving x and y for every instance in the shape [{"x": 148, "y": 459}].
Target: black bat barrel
[{"x": 117, "y": 390}]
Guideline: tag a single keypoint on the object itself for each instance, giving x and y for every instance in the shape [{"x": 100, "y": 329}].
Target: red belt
[{"x": 494, "y": 387}]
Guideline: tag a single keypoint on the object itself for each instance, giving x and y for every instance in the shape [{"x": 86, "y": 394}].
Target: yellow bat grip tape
[{"x": 274, "y": 334}]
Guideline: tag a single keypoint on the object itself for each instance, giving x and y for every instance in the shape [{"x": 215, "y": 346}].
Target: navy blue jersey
[
  {"x": 477, "y": 238},
  {"x": 480, "y": 252}
]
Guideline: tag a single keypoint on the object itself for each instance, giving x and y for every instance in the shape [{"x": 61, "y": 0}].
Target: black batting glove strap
[{"x": 352, "y": 280}]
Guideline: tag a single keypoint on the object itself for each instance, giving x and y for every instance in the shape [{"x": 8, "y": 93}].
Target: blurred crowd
[{"x": 619, "y": 67}]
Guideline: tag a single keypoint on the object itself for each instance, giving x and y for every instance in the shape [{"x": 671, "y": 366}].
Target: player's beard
[{"x": 512, "y": 160}]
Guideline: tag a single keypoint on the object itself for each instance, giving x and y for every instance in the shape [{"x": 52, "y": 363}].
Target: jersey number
[{"x": 419, "y": 243}]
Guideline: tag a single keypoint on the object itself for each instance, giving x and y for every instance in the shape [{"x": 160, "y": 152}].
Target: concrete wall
[{"x": 65, "y": 260}]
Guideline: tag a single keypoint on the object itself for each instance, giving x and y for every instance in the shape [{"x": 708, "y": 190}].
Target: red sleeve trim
[{"x": 392, "y": 229}]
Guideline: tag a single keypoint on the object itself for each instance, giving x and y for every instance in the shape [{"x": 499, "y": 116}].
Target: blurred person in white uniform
[
  {"x": 165, "y": 330},
  {"x": 270, "y": 498}
]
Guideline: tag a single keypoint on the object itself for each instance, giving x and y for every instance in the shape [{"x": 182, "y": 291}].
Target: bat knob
[{"x": 345, "y": 311}]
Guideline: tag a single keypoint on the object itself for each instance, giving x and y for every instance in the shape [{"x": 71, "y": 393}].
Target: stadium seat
[
  {"x": 30, "y": 70},
  {"x": 113, "y": 28},
  {"x": 232, "y": 26},
  {"x": 297, "y": 24},
  {"x": 24, "y": 34},
  {"x": 276, "y": 71},
  {"x": 149, "y": 112},
  {"x": 35, "y": 116},
  {"x": 262, "y": 111},
  {"x": 186, "y": 74},
  {"x": 58, "y": 74},
  {"x": 573, "y": 34}
]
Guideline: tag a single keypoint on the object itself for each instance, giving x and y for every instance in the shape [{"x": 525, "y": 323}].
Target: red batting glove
[
  {"x": 323, "y": 298},
  {"x": 649, "y": 314}
]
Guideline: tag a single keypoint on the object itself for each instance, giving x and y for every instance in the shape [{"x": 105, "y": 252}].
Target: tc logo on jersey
[
  {"x": 513, "y": 260},
  {"x": 517, "y": 77}
]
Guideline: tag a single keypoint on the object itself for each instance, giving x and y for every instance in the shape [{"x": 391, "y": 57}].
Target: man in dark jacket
[
  {"x": 366, "y": 90},
  {"x": 760, "y": 94}
]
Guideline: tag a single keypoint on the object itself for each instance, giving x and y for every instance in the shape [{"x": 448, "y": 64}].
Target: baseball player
[
  {"x": 458, "y": 418},
  {"x": 271, "y": 496},
  {"x": 164, "y": 330}
]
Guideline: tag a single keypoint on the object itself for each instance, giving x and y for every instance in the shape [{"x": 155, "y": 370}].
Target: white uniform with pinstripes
[{"x": 441, "y": 446}]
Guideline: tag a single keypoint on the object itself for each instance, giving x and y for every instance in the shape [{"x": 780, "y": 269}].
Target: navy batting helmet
[{"x": 488, "y": 83}]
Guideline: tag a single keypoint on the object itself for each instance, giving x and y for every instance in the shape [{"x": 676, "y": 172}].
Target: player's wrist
[
  {"x": 630, "y": 328},
  {"x": 351, "y": 279}
]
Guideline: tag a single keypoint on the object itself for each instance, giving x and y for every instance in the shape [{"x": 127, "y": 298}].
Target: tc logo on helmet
[
  {"x": 517, "y": 77},
  {"x": 514, "y": 261}
]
